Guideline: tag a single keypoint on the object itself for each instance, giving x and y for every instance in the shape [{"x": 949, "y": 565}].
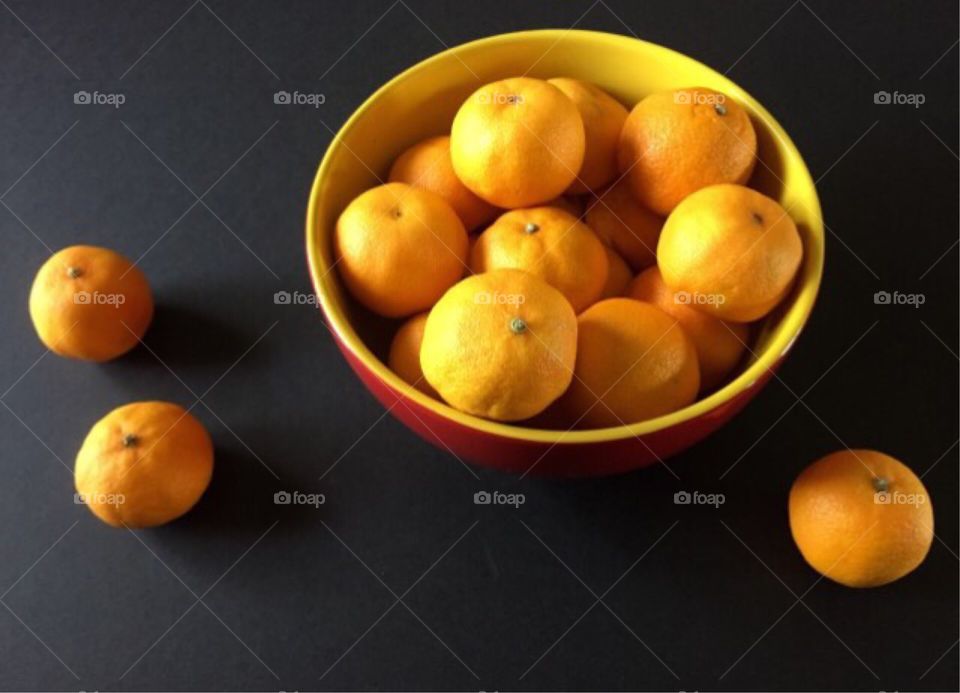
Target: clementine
[
  {"x": 427, "y": 165},
  {"x": 399, "y": 248},
  {"x": 719, "y": 344},
  {"x": 500, "y": 344},
  {"x": 676, "y": 142},
  {"x": 144, "y": 464},
  {"x": 861, "y": 518},
  {"x": 404, "y": 358},
  {"x": 90, "y": 303},
  {"x": 626, "y": 225},
  {"x": 603, "y": 117},
  {"x": 550, "y": 244},
  {"x": 571, "y": 204},
  {"x": 634, "y": 362},
  {"x": 618, "y": 275},
  {"x": 734, "y": 250},
  {"x": 518, "y": 142}
]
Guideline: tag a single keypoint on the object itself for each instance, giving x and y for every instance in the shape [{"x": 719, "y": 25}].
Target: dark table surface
[{"x": 399, "y": 580}]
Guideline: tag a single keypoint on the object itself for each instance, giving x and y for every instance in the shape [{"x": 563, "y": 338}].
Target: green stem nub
[
  {"x": 518, "y": 326},
  {"x": 74, "y": 272},
  {"x": 531, "y": 228},
  {"x": 129, "y": 440},
  {"x": 881, "y": 485},
  {"x": 720, "y": 109}
]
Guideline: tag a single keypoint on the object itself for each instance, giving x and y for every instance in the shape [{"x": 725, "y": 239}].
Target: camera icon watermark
[
  {"x": 495, "y": 298},
  {"x": 896, "y": 298},
  {"x": 296, "y": 98},
  {"x": 97, "y": 298},
  {"x": 886, "y": 98},
  {"x": 697, "y": 98},
  {"x": 295, "y": 298},
  {"x": 497, "y": 98},
  {"x": 514, "y": 500},
  {"x": 687, "y": 298},
  {"x": 899, "y": 498},
  {"x": 114, "y": 499},
  {"x": 699, "y": 498},
  {"x": 314, "y": 500},
  {"x": 96, "y": 98}
]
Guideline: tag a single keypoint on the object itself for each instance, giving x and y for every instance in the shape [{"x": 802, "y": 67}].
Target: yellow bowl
[{"x": 421, "y": 102}]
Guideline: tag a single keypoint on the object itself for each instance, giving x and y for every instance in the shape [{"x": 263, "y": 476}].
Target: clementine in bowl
[
  {"x": 634, "y": 362},
  {"x": 500, "y": 344},
  {"x": 618, "y": 218},
  {"x": 676, "y": 142},
  {"x": 517, "y": 142},
  {"x": 399, "y": 248},
  {"x": 422, "y": 103},
  {"x": 720, "y": 345},
  {"x": 550, "y": 244},
  {"x": 733, "y": 248},
  {"x": 427, "y": 165}
]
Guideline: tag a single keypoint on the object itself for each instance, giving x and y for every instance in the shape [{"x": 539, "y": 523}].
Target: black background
[{"x": 714, "y": 599}]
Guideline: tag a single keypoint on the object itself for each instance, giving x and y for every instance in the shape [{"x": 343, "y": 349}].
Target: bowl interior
[{"x": 422, "y": 101}]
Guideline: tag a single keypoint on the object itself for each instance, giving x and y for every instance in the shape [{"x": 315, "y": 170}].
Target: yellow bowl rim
[{"x": 793, "y": 321}]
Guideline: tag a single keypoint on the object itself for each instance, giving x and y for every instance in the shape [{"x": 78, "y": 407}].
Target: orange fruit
[
  {"x": 626, "y": 225},
  {"x": 500, "y": 344},
  {"x": 144, "y": 464},
  {"x": 861, "y": 518},
  {"x": 634, "y": 362},
  {"x": 404, "y": 358},
  {"x": 719, "y": 344},
  {"x": 549, "y": 243},
  {"x": 518, "y": 142},
  {"x": 427, "y": 165},
  {"x": 733, "y": 249},
  {"x": 618, "y": 275},
  {"x": 471, "y": 242},
  {"x": 571, "y": 204},
  {"x": 676, "y": 142},
  {"x": 603, "y": 117},
  {"x": 399, "y": 248},
  {"x": 90, "y": 303}
]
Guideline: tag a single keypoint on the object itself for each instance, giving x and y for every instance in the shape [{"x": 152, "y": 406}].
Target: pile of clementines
[
  {"x": 144, "y": 463},
  {"x": 557, "y": 260},
  {"x": 613, "y": 259},
  {"x": 561, "y": 261}
]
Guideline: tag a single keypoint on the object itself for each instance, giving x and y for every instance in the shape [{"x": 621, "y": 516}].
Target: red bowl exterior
[{"x": 516, "y": 456}]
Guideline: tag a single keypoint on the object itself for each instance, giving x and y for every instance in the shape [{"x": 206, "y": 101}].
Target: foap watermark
[
  {"x": 696, "y": 298},
  {"x": 514, "y": 500},
  {"x": 896, "y": 298},
  {"x": 699, "y": 498},
  {"x": 495, "y": 298},
  {"x": 97, "y": 98},
  {"x": 896, "y": 98},
  {"x": 299, "y": 498},
  {"x": 98, "y": 298},
  {"x": 899, "y": 498},
  {"x": 114, "y": 499},
  {"x": 698, "y": 98},
  {"x": 299, "y": 98},
  {"x": 295, "y": 298},
  {"x": 498, "y": 98}
]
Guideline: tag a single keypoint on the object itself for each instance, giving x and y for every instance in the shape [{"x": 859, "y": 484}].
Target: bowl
[{"x": 421, "y": 102}]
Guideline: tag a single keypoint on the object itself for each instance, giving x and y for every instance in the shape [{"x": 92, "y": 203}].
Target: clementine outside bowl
[{"x": 421, "y": 102}]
